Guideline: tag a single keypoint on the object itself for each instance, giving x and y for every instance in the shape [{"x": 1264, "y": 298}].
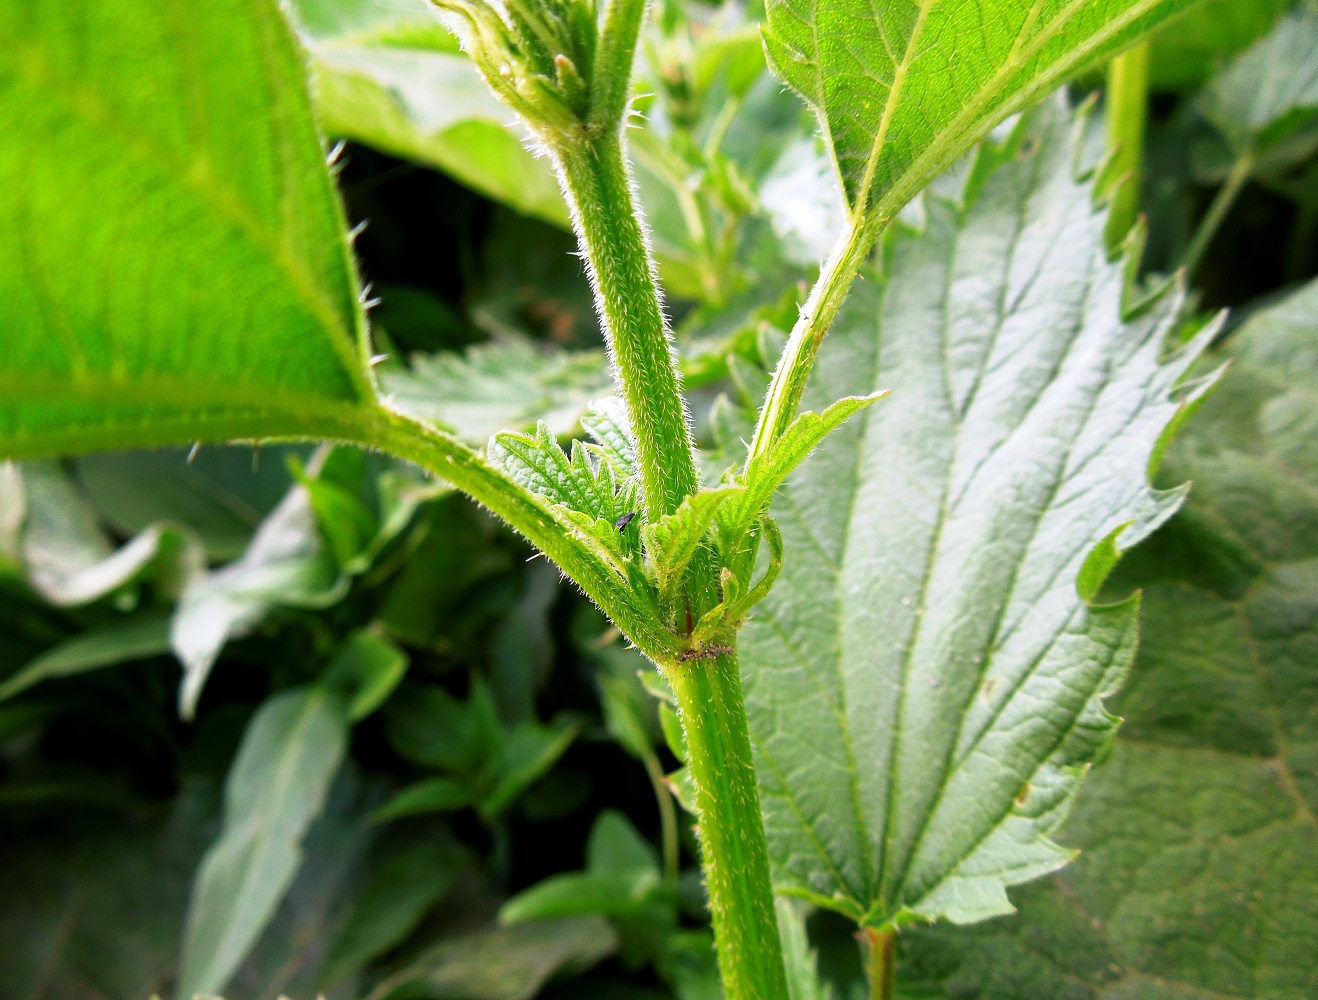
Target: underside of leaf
[{"x": 925, "y": 683}]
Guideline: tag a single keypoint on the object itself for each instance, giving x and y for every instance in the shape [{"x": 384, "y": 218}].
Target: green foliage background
[{"x": 406, "y": 761}]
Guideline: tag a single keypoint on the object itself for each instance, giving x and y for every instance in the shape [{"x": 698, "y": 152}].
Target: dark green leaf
[
  {"x": 1187, "y": 50},
  {"x": 366, "y": 671},
  {"x": 135, "y": 639},
  {"x": 409, "y": 881},
  {"x": 924, "y": 684},
  {"x": 431, "y": 795}
]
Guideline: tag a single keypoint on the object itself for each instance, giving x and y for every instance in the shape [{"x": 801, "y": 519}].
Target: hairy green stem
[
  {"x": 598, "y": 184},
  {"x": 880, "y": 962},
  {"x": 1217, "y": 213},
  {"x": 1127, "y": 114},
  {"x": 732, "y": 844},
  {"x": 798, "y": 357},
  {"x": 451, "y": 460}
]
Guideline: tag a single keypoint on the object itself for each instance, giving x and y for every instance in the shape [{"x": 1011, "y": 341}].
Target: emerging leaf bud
[{"x": 536, "y": 55}]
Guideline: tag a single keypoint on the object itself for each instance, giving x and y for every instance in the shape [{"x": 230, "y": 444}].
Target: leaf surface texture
[
  {"x": 175, "y": 266},
  {"x": 924, "y": 683}
]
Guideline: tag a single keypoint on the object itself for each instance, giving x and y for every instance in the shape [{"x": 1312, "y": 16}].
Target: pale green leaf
[
  {"x": 803, "y": 980},
  {"x": 924, "y": 684},
  {"x": 765, "y": 475},
  {"x": 69, "y": 560},
  {"x": 176, "y": 265},
  {"x": 578, "y": 482},
  {"x": 277, "y": 786},
  {"x": 286, "y": 565},
  {"x": 902, "y": 88},
  {"x": 509, "y": 384},
  {"x": 503, "y": 963},
  {"x": 606, "y": 422},
  {"x": 390, "y": 75},
  {"x": 1269, "y": 93},
  {"x": 1200, "y": 844}
]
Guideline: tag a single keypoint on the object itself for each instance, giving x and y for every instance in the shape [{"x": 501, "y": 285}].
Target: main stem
[
  {"x": 599, "y": 188},
  {"x": 731, "y": 827}
]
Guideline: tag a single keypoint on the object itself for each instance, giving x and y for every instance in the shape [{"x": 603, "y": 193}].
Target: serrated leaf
[
  {"x": 176, "y": 268},
  {"x": 1270, "y": 92},
  {"x": 904, "y": 88},
  {"x": 1199, "y": 863},
  {"x": 276, "y": 788},
  {"x": 924, "y": 685},
  {"x": 577, "y": 482},
  {"x": 508, "y": 384},
  {"x": 673, "y": 541},
  {"x": 763, "y": 477},
  {"x": 393, "y": 77},
  {"x": 606, "y": 422}
]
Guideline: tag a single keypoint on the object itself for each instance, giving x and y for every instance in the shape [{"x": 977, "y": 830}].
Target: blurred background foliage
[{"x": 401, "y": 758}]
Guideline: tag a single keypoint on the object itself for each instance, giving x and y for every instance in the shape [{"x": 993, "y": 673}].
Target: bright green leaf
[
  {"x": 924, "y": 684},
  {"x": 277, "y": 785},
  {"x": 904, "y": 88},
  {"x": 156, "y": 171}
]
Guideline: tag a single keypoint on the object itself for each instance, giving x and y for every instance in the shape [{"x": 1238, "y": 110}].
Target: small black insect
[{"x": 623, "y": 521}]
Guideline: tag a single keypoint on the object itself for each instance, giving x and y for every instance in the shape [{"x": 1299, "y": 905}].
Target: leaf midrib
[{"x": 954, "y": 135}]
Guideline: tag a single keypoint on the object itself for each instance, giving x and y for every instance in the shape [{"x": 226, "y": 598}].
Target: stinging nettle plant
[{"x": 922, "y": 707}]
